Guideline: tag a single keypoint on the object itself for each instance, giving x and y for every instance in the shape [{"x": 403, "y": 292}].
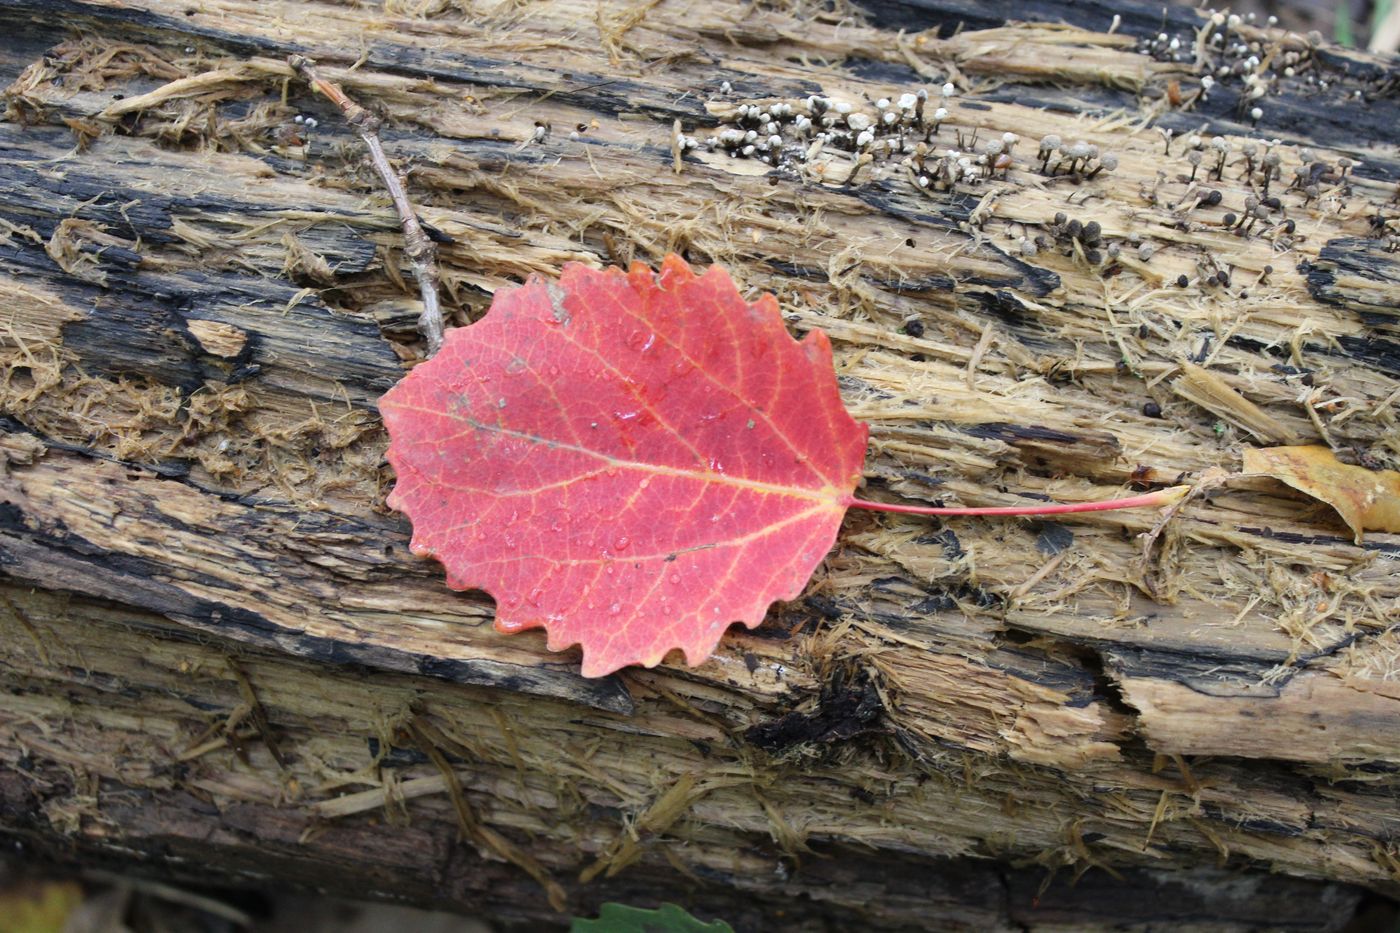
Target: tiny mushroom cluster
[
  {"x": 787, "y": 135},
  {"x": 1260, "y": 164},
  {"x": 1084, "y": 242},
  {"x": 1252, "y": 54},
  {"x": 911, "y": 134},
  {"x": 901, "y": 131}
]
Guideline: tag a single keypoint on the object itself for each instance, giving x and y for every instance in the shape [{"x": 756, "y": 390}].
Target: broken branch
[{"x": 418, "y": 247}]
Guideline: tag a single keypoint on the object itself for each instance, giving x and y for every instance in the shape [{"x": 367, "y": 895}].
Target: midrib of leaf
[{"x": 827, "y": 493}]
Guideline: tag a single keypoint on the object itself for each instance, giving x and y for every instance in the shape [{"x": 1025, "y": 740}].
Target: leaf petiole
[{"x": 1161, "y": 497}]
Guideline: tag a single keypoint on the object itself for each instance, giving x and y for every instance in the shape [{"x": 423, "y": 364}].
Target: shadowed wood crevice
[{"x": 211, "y": 793}]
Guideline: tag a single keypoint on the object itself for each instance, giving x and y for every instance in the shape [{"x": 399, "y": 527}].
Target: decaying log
[{"x": 220, "y": 663}]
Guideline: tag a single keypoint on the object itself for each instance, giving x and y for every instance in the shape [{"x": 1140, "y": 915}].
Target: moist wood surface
[{"x": 218, "y": 650}]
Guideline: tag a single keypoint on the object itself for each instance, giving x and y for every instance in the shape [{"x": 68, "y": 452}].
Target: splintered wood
[{"x": 1056, "y": 261}]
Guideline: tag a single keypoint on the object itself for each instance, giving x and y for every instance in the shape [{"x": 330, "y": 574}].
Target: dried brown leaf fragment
[{"x": 1367, "y": 500}]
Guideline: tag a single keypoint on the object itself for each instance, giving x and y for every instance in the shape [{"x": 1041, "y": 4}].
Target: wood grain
[{"x": 205, "y": 296}]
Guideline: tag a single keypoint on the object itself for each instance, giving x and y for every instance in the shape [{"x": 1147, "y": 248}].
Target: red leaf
[{"x": 634, "y": 461}]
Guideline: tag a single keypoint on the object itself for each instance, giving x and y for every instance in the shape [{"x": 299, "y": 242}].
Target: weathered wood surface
[{"x": 219, "y": 658}]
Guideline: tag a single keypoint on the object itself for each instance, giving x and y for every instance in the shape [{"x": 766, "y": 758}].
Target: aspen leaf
[
  {"x": 633, "y": 461},
  {"x": 1367, "y": 500}
]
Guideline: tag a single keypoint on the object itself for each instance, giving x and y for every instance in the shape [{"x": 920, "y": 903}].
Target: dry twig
[{"x": 417, "y": 244}]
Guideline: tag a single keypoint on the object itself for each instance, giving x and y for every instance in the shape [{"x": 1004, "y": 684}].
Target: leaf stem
[{"x": 1148, "y": 500}]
